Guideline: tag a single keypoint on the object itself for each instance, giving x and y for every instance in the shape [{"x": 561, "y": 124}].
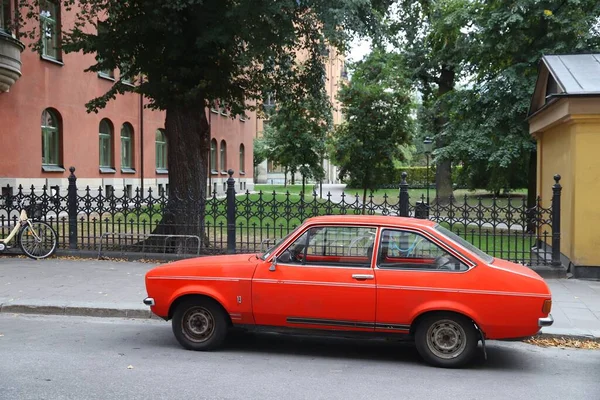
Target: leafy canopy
[
  {"x": 298, "y": 127},
  {"x": 194, "y": 52},
  {"x": 377, "y": 105},
  {"x": 488, "y": 127}
]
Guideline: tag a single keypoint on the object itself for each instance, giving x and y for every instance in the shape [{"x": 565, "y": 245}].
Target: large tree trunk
[
  {"x": 188, "y": 136},
  {"x": 443, "y": 173}
]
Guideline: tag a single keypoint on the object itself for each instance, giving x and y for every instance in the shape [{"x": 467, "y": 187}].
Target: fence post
[
  {"x": 72, "y": 209},
  {"x": 403, "y": 206},
  {"x": 230, "y": 213},
  {"x": 556, "y": 189}
]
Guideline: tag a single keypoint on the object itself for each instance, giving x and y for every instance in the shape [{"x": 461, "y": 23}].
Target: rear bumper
[{"x": 548, "y": 321}]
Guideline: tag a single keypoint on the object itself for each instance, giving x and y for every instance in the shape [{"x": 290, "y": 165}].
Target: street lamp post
[{"x": 427, "y": 147}]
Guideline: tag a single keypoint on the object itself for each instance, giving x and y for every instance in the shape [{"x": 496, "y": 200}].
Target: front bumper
[
  {"x": 149, "y": 301},
  {"x": 542, "y": 322}
]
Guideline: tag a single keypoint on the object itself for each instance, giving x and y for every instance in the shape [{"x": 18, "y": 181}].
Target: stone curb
[
  {"x": 140, "y": 313},
  {"x": 106, "y": 312}
]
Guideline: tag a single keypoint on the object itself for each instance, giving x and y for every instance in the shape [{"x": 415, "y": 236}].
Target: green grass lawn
[
  {"x": 459, "y": 194},
  {"x": 261, "y": 217},
  {"x": 292, "y": 189}
]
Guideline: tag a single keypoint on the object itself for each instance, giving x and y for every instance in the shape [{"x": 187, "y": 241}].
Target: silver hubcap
[
  {"x": 446, "y": 339},
  {"x": 198, "y": 324}
]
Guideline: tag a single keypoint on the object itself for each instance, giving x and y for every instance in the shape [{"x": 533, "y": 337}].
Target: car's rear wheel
[
  {"x": 200, "y": 324},
  {"x": 446, "y": 340}
]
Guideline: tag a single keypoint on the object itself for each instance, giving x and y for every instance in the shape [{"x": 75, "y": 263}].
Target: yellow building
[
  {"x": 564, "y": 118},
  {"x": 335, "y": 70}
]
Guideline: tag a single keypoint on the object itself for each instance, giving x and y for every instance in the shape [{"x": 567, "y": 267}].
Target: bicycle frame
[{"x": 23, "y": 220}]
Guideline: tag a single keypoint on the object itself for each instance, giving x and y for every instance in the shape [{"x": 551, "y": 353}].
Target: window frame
[
  {"x": 223, "y": 156},
  {"x": 102, "y": 137},
  {"x": 5, "y": 6},
  {"x": 161, "y": 163},
  {"x": 55, "y": 133},
  {"x": 56, "y": 29},
  {"x": 242, "y": 165},
  {"x": 213, "y": 156},
  {"x": 105, "y": 74},
  {"x": 128, "y": 167},
  {"x": 307, "y": 231},
  {"x": 470, "y": 264}
]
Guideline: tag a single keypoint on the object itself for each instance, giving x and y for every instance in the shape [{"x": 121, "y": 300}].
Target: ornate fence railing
[{"x": 150, "y": 222}]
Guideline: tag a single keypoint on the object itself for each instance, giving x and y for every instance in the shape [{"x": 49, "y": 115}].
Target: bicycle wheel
[{"x": 38, "y": 240}]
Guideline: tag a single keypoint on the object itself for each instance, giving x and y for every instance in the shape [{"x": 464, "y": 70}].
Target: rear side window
[{"x": 410, "y": 250}]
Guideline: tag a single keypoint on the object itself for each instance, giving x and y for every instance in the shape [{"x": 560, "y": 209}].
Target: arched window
[
  {"x": 127, "y": 146},
  {"x": 50, "y": 138},
  {"x": 242, "y": 158},
  {"x": 223, "y": 158},
  {"x": 106, "y": 144},
  {"x": 213, "y": 156},
  {"x": 161, "y": 150}
]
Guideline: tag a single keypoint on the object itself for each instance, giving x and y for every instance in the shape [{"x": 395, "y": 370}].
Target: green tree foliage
[
  {"x": 488, "y": 130},
  {"x": 298, "y": 129},
  {"x": 430, "y": 35},
  {"x": 377, "y": 105},
  {"x": 192, "y": 53}
]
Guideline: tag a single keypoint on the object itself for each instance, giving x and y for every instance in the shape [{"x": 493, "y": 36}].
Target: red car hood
[{"x": 235, "y": 265}]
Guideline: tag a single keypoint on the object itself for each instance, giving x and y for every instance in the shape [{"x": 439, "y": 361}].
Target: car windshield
[
  {"x": 455, "y": 238},
  {"x": 272, "y": 248}
]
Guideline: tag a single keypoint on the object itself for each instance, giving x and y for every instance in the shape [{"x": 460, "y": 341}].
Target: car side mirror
[
  {"x": 284, "y": 257},
  {"x": 273, "y": 264}
]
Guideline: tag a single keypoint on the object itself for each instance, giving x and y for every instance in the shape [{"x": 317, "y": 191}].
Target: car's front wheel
[
  {"x": 200, "y": 324},
  {"x": 446, "y": 340}
]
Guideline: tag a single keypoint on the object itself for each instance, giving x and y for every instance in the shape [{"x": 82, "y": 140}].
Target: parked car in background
[{"x": 363, "y": 276}]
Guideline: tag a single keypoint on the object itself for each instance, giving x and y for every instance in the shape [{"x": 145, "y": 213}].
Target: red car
[{"x": 360, "y": 276}]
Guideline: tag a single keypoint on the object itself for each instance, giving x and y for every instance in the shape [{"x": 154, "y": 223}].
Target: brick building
[{"x": 45, "y": 129}]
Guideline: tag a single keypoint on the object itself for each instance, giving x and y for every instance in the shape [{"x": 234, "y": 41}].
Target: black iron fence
[{"x": 150, "y": 222}]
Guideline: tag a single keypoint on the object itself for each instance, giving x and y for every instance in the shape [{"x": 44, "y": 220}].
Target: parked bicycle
[{"x": 37, "y": 239}]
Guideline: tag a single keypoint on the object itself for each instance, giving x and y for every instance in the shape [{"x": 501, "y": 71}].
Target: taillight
[{"x": 547, "y": 307}]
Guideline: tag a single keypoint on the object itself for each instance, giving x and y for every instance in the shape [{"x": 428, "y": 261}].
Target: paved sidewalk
[{"x": 116, "y": 289}]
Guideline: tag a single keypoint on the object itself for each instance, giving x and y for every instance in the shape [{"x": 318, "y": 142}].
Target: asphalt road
[{"x": 54, "y": 357}]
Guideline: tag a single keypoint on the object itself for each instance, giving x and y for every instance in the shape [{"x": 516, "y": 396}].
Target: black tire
[
  {"x": 200, "y": 324},
  {"x": 446, "y": 340},
  {"x": 34, "y": 248}
]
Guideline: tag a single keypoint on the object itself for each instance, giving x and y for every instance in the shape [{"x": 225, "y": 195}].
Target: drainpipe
[{"x": 208, "y": 195}]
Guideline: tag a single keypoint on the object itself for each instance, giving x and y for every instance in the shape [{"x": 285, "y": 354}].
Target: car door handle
[{"x": 361, "y": 277}]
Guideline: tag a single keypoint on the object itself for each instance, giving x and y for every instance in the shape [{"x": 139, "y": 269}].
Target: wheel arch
[
  {"x": 443, "y": 309},
  {"x": 180, "y": 298}
]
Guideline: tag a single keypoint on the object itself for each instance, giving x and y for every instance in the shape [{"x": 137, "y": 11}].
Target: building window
[
  {"x": 223, "y": 158},
  {"x": 273, "y": 167},
  {"x": 105, "y": 73},
  {"x": 124, "y": 72},
  {"x": 242, "y": 159},
  {"x": 213, "y": 156},
  {"x": 106, "y": 146},
  {"x": 4, "y": 14},
  {"x": 127, "y": 148},
  {"x": 161, "y": 151},
  {"x": 50, "y": 28},
  {"x": 50, "y": 139}
]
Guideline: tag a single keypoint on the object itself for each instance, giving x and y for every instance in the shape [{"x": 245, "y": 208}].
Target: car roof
[{"x": 372, "y": 219}]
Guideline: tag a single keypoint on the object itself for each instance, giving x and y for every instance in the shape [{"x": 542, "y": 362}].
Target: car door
[
  {"x": 324, "y": 279},
  {"x": 412, "y": 269}
]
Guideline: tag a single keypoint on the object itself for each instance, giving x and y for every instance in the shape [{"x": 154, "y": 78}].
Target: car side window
[
  {"x": 410, "y": 250},
  {"x": 335, "y": 246}
]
